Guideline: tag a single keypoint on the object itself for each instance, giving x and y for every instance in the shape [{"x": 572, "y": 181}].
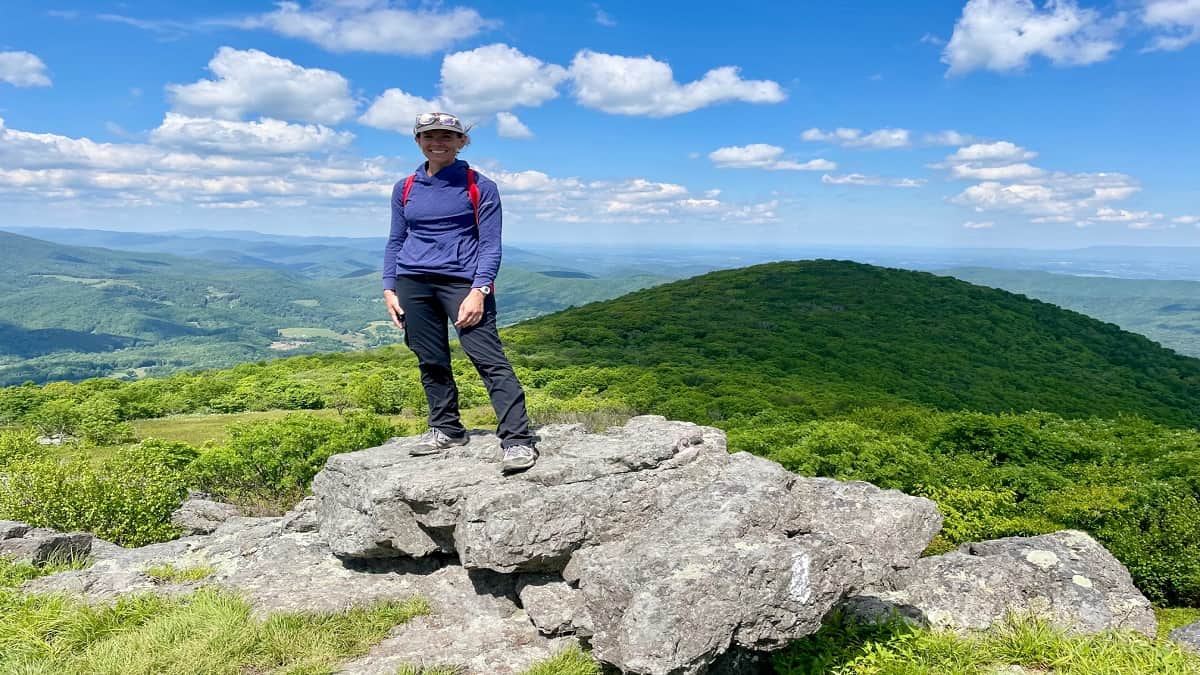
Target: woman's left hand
[{"x": 470, "y": 312}]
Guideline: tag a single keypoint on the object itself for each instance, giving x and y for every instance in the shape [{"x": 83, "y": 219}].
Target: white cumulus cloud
[
  {"x": 497, "y": 78},
  {"x": 251, "y": 82},
  {"x": 855, "y": 138},
  {"x": 1179, "y": 21},
  {"x": 1186, "y": 220},
  {"x": 1002, "y": 151},
  {"x": 509, "y": 125},
  {"x": 1055, "y": 197},
  {"x": 626, "y": 85},
  {"x": 1003, "y": 35},
  {"x": 978, "y": 225},
  {"x": 22, "y": 69},
  {"x": 763, "y": 156},
  {"x": 372, "y": 25},
  {"x": 265, "y": 136},
  {"x": 397, "y": 110}
]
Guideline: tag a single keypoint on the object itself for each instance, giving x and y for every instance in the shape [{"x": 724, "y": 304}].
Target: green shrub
[
  {"x": 18, "y": 444},
  {"x": 128, "y": 499},
  {"x": 1158, "y": 539},
  {"x": 98, "y": 421},
  {"x": 277, "y": 459}
]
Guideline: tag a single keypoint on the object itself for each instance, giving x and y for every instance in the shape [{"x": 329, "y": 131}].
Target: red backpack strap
[
  {"x": 407, "y": 189},
  {"x": 473, "y": 193}
]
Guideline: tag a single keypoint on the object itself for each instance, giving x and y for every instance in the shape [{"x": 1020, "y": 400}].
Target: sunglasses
[{"x": 442, "y": 119}]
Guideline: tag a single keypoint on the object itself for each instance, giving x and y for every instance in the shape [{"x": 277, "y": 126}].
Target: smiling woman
[{"x": 440, "y": 264}]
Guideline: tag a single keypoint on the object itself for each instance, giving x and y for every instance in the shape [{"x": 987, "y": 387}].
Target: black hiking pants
[{"x": 429, "y": 302}]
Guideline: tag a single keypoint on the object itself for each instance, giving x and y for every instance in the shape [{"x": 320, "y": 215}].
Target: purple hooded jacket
[{"x": 435, "y": 231}]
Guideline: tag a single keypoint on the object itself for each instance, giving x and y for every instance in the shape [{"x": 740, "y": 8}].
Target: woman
[{"x": 440, "y": 263}]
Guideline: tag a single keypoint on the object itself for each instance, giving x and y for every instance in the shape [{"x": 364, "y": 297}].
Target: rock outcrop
[
  {"x": 1065, "y": 577},
  {"x": 649, "y": 543},
  {"x": 672, "y": 550}
]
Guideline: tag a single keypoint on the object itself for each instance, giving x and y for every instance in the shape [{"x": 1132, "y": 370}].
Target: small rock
[
  {"x": 202, "y": 516},
  {"x": 1187, "y": 636}
]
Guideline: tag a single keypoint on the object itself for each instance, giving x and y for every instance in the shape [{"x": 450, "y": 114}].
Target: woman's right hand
[{"x": 394, "y": 309}]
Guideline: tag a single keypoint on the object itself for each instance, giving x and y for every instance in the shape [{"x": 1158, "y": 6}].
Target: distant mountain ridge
[
  {"x": 818, "y": 333},
  {"x": 1167, "y": 312},
  {"x": 73, "y": 312}
]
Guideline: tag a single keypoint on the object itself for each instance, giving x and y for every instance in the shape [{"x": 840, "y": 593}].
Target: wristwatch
[{"x": 486, "y": 290}]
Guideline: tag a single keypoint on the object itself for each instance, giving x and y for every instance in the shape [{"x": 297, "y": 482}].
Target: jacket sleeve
[
  {"x": 491, "y": 222},
  {"x": 395, "y": 238}
]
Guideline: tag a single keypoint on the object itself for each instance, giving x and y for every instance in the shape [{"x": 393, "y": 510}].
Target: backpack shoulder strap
[
  {"x": 408, "y": 182},
  {"x": 473, "y": 193}
]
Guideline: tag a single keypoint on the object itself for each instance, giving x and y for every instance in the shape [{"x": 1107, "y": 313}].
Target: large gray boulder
[
  {"x": 38, "y": 545},
  {"x": 676, "y": 551},
  {"x": 1187, "y": 636},
  {"x": 1065, "y": 577}
]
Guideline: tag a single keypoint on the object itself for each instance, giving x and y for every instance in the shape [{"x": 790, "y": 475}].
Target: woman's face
[{"x": 440, "y": 146}]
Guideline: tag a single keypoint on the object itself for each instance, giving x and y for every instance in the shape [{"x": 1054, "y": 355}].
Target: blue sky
[{"x": 981, "y": 123}]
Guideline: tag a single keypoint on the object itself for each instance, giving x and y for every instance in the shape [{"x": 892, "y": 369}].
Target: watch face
[{"x": 486, "y": 290}]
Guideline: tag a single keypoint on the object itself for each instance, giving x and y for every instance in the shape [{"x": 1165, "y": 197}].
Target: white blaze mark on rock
[
  {"x": 1042, "y": 559},
  {"x": 1082, "y": 581},
  {"x": 799, "y": 588}
]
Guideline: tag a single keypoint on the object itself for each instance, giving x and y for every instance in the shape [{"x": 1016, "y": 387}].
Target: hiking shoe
[
  {"x": 435, "y": 441},
  {"x": 518, "y": 458}
]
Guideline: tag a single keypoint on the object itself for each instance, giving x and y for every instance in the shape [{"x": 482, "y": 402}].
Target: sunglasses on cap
[{"x": 438, "y": 120}]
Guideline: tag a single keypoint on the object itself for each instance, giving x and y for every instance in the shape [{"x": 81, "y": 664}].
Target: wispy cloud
[
  {"x": 855, "y": 138},
  {"x": 372, "y": 25},
  {"x": 763, "y": 156},
  {"x": 864, "y": 180},
  {"x": 602, "y": 17}
]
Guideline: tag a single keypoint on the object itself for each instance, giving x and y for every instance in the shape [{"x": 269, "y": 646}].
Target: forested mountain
[
  {"x": 1167, "y": 312},
  {"x": 69, "y": 312},
  {"x": 822, "y": 335}
]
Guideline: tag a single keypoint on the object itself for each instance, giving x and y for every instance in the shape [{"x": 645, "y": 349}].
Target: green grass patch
[
  {"x": 209, "y": 632},
  {"x": 307, "y": 302},
  {"x": 197, "y": 429},
  {"x": 168, "y": 573},
  {"x": 1170, "y": 618},
  {"x": 13, "y": 574},
  {"x": 895, "y": 648},
  {"x": 571, "y": 661}
]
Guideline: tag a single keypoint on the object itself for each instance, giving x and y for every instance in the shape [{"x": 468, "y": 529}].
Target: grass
[
  {"x": 13, "y": 574},
  {"x": 843, "y": 648},
  {"x": 200, "y": 428},
  {"x": 168, "y": 573},
  {"x": 209, "y": 632},
  {"x": 197, "y": 429},
  {"x": 1173, "y": 617}
]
